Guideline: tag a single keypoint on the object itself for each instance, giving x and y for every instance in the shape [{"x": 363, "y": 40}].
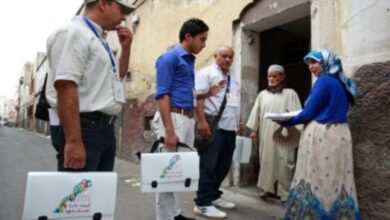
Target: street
[{"x": 22, "y": 151}]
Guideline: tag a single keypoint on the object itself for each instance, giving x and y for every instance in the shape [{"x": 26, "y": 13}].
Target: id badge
[
  {"x": 231, "y": 100},
  {"x": 119, "y": 91}
]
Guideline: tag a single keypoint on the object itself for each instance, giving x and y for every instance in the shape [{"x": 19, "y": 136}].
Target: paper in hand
[{"x": 281, "y": 116}]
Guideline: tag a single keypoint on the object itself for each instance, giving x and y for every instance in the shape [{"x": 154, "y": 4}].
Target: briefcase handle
[
  {"x": 161, "y": 140},
  {"x": 96, "y": 216}
]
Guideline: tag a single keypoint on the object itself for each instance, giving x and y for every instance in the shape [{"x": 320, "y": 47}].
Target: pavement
[{"x": 23, "y": 151}]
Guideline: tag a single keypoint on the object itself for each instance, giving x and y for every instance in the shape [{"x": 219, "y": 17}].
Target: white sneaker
[
  {"x": 209, "y": 212},
  {"x": 224, "y": 204}
]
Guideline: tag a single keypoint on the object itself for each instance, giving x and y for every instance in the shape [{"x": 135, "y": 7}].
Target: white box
[
  {"x": 243, "y": 150},
  {"x": 169, "y": 172},
  {"x": 69, "y": 195}
]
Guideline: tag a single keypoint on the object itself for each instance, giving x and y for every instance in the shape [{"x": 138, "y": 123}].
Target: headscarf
[{"x": 331, "y": 64}]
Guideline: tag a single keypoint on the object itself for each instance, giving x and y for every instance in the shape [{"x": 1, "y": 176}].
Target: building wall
[
  {"x": 246, "y": 68},
  {"x": 367, "y": 35},
  {"x": 358, "y": 31},
  {"x": 3, "y": 106},
  {"x": 6, "y": 108},
  {"x": 369, "y": 120},
  {"x": 156, "y": 31},
  {"x": 24, "y": 93}
]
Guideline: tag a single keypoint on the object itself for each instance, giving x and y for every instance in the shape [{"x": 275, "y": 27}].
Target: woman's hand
[{"x": 278, "y": 122}]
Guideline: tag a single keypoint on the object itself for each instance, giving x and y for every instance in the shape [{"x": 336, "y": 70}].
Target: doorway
[{"x": 286, "y": 45}]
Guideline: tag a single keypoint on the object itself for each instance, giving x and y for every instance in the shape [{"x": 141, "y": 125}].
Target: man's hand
[
  {"x": 215, "y": 89},
  {"x": 240, "y": 129},
  {"x": 74, "y": 155},
  {"x": 253, "y": 136},
  {"x": 204, "y": 129},
  {"x": 68, "y": 111},
  {"x": 171, "y": 141},
  {"x": 125, "y": 36}
]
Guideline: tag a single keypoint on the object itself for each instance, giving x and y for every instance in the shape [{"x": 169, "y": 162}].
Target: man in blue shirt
[{"x": 175, "y": 96}]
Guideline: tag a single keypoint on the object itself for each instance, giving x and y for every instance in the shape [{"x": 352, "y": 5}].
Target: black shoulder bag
[
  {"x": 42, "y": 109},
  {"x": 201, "y": 143}
]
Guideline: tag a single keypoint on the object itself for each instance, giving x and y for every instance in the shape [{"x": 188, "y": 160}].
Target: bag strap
[
  {"x": 161, "y": 140},
  {"x": 224, "y": 101},
  {"x": 43, "y": 90}
]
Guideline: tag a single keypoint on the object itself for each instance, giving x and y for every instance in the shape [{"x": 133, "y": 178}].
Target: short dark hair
[{"x": 193, "y": 26}]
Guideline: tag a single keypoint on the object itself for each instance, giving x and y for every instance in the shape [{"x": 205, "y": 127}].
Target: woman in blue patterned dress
[{"x": 323, "y": 186}]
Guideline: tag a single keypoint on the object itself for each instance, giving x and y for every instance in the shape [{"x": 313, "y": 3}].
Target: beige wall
[
  {"x": 25, "y": 87},
  {"x": 158, "y": 29},
  {"x": 357, "y": 30}
]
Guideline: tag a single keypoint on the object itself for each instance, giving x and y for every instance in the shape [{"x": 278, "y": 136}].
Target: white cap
[
  {"x": 276, "y": 68},
  {"x": 126, "y": 7}
]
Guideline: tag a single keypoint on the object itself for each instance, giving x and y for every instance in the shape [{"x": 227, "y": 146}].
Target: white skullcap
[{"x": 276, "y": 68}]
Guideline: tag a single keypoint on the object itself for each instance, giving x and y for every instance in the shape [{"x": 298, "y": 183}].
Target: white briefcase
[
  {"x": 243, "y": 150},
  {"x": 67, "y": 195},
  {"x": 169, "y": 172}
]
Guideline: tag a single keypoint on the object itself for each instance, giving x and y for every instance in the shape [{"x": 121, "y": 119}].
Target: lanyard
[
  {"x": 228, "y": 83},
  {"x": 104, "y": 42}
]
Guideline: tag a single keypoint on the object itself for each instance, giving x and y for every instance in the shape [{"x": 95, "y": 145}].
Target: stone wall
[
  {"x": 137, "y": 133},
  {"x": 370, "y": 124}
]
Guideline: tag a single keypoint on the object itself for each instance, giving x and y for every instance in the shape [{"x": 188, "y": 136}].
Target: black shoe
[
  {"x": 182, "y": 217},
  {"x": 267, "y": 195}
]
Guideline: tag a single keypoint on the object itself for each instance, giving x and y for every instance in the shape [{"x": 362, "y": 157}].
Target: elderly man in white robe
[{"x": 276, "y": 164}]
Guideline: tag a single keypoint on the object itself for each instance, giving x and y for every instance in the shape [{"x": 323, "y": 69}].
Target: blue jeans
[
  {"x": 215, "y": 162},
  {"x": 99, "y": 141}
]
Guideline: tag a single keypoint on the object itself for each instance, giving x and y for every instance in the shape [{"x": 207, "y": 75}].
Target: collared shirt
[
  {"x": 204, "y": 80},
  {"x": 327, "y": 103},
  {"x": 76, "y": 54},
  {"x": 175, "y": 77}
]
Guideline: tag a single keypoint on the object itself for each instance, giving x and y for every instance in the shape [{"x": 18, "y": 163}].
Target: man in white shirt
[
  {"x": 216, "y": 159},
  {"x": 85, "y": 85}
]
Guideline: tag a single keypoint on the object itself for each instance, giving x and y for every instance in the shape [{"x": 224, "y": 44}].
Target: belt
[
  {"x": 109, "y": 119},
  {"x": 187, "y": 113}
]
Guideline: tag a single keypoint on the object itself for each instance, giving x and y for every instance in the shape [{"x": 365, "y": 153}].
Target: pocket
[
  {"x": 178, "y": 120},
  {"x": 57, "y": 136},
  {"x": 88, "y": 125},
  {"x": 213, "y": 124},
  {"x": 201, "y": 143}
]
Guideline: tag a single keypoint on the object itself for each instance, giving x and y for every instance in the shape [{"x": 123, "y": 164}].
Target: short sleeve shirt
[
  {"x": 204, "y": 80},
  {"x": 175, "y": 77},
  {"x": 76, "y": 54}
]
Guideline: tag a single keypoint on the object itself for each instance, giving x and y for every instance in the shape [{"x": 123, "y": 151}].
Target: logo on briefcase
[{"x": 172, "y": 169}]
